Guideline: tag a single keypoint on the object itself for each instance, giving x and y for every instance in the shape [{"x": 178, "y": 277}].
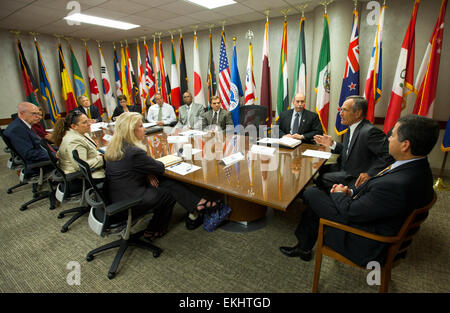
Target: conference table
[{"x": 248, "y": 186}]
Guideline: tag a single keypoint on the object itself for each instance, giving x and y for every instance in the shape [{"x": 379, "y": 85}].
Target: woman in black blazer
[
  {"x": 131, "y": 173},
  {"x": 124, "y": 107}
]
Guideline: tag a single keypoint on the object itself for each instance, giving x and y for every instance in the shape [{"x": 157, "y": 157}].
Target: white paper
[
  {"x": 97, "y": 126},
  {"x": 177, "y": 139},
  {"x": 262, "y": 150},
  {"x": 107, "y": 137},
  {"x": 183, "y": 168},
  {"x": 286, "y": 141},
  {"x": 233, "y": 158},
  {"x": 192, "y": 132},
  {"x": 147, "y": 125},
  {"x": 317, "y": 154}
]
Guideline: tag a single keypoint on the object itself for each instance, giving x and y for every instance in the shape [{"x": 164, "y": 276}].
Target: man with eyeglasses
[{"x": 22, "y": 137}]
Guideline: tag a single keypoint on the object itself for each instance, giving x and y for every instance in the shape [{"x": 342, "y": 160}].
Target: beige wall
[{"x": 340, "y": 18}]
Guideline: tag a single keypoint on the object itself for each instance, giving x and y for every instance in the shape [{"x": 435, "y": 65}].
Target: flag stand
[{"x": 440, "y": 184}]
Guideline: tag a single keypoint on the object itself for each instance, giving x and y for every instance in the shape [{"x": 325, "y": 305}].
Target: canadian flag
[
  {"x": 198, "y": 90},
  {"x": 95, "y": 95}
]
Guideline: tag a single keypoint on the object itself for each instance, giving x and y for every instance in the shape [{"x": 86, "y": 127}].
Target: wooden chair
[{"x": 397, "y": 250}]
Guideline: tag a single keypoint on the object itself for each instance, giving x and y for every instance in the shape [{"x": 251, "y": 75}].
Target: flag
[
  {"x": 322, "y": 86},
  {"x": 117, "y": 75},
  {"x": 134, "y": 91},
  {"x": 149, "y": 75},
  {"x": 46, "y": 88},
  {"x": 157, "y": 70},
  {"x": 175, "y": 95},
  {"x": 107, "y": 91},
  {"x": 66, "y": 86},
  {"x": 350, "y": 82},
  {"x": 183, "y": 73},
  {"x": 141, "y": 80},
  {"x": 404, "y": 74},
  {"x": 165, "y": 84},
  {"x": 250, "y": 88},
  {"x": 266, "y": 95},
  {"x": 224, "y": 74},
  {"x": 373, "y": 86},
  {"x": 211, "y": 80},
  {"x": 283, "y": 92},
  {"x": 123, "y": 76},
  {"x": 427, "y": 77},
  {"x": 95, "y": 95},
  {"x": 198, "y": 90},
  {"x": 30, "y": 85},
  {"x": 300, "y": 62},
  {"x": 235, "y": 88},
  {"x": 78, "y": 81},
  {"x": 445, "y": 146}
]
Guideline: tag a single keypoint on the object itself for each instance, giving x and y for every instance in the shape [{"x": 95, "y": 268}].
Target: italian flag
[
  {"x": 322, "y": 86},
  {"x": 175, "y": 95}
]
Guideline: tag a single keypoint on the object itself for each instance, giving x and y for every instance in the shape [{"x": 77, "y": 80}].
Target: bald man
[
  {"x": 299, "y": 123},
  {"x": 23, "y": 139}
]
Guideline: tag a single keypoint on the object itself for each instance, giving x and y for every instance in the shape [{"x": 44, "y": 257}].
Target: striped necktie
[{"x": 383, "y": 171}]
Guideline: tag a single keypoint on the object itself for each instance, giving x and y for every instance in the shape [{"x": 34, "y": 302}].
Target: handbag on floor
[{"x": 212, "y": 219}]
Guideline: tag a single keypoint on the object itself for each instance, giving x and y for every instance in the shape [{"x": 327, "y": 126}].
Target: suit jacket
[
  {"x": 119, "y": 110},
  {"x": 26, "y": 143},
  {"x": 128, "y": 178},
  {"x": 225, "y": 118},
  {"x": 380, "y": 206},
  {"x": 95, "y": 114},
  {"x": 87, "y": 150},
  {"x": 195, "y": 117},
  {"x": 368, "y": 151},
  {"x": 309, "y": 126}
]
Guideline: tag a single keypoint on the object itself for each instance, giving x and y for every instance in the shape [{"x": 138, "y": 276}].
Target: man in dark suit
[
  {"x": 23, "y": 139},
  {"x": 364, "y": 151},
  {"x": 299, "y": 123},
  {"x": 217, "y": 116},
  {"x": 381, "y": 205},
  {"x": 91, "y": 111}
]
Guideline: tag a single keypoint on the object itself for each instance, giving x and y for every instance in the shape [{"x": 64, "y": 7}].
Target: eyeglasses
[{"x": 35, "y": 113}]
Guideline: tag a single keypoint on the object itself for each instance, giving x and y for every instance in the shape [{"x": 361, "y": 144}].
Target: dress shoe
[
  {"x": 296, "y": 251},
  {"x": 193, "y": 224}
]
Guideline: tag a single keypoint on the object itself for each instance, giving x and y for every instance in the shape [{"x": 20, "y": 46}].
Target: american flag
[
  {"x": 224, "y": 75},
  {"x": 149, "y": 77}
]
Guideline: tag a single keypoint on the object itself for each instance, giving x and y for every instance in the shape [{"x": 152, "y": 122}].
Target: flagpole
[{"x": 440, "y": 184}]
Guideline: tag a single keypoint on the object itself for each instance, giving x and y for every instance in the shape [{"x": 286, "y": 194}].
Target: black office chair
[
  {"x": 14, "y": 163},
  {"x": 63, "y": 191},
  {"x": 102, "y": 216},
  {"x": 253, "y": 115},
  {"x": 35, "y": 180}
]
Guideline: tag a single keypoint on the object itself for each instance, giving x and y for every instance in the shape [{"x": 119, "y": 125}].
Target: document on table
[
  {"x": 262, "y": 150},
  {"x": 177, "y": 139},
  {"x": 147, "y": 125},
  {"x": 233, "y": 158},
  {"x": 183, "y": 168},
  {"x": 193, "y": 132},
  {"x": 317, "y": 154}
]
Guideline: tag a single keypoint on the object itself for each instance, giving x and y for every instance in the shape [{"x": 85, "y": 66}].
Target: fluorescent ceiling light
[
  {"x": 78, "y": 17},
  {"x": 212, "y": 4}
]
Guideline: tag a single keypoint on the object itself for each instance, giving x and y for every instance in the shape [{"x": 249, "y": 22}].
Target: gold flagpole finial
[
  {"x": 121, "y": 43},
  {"x": 159, "y": 35},
  {"x": 58, "y": 36},
  {"x": 114, "y": 45},
  {"x": 84, "y": 40},
  {"x": 223, "y": 22},
  {"x": 249, "y": 35},
  {"x": 302, "y": 7},
  {"x": 15, "y": 32},
  {"x": 210, "y": 27},
  {"x": 267, "y": 14},
  {"x": 144, "y": 38},
  {"x": 234, "y": 40},
  {"x": 34, "y": 34},
  {"x": 195, "y": 27},
  {"x": 154, "y": 37},
  {"x": 99, "y": 43},
  {"x": 285, "y": 12}
]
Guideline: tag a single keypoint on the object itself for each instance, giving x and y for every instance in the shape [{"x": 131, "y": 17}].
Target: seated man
[
  {"x": 23, "y": 139},
  {"x": 91, "y": 111},
  {"x": 381, "y": 205},
  {"x": 299, "y": 123},
  {"x": 161, "y": 113},
  {"x": 363, "y": 154},
  {"x": 217, "y": 116},
  {"x": 189, "y": 114}
]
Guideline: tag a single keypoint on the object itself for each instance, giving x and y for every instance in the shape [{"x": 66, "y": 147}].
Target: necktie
[
  {"x": 383, "y": 171},
  {"x": 160, "y": 114},
  {"x": 348, "y": 141},
  {"x": 296, "y": 121},
  {"x": 89, "y": 113},
  {"x": 214, "y": 119}
]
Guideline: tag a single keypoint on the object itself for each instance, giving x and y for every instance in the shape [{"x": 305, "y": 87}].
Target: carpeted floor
[{"x": 35, "y": 256}]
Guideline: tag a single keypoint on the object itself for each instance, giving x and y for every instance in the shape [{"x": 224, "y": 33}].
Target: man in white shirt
[
  {"x": 161, "y": 113},
  {"x": 189, "y": 114}
]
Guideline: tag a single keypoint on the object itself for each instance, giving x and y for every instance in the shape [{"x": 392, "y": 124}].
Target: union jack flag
[
  {"x": 224, "y": 75},
  {"x": 350, "y": 83},
  {"x": 149, "y": 77}
]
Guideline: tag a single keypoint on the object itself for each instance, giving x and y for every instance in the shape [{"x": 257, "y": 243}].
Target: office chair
[
  {"x": 35, "y": 180},
  {"x": 63, "y": 191},
  {"x": 397, "y": 251},
  {"x": 14, "y": 163},
  {"x": 102, "y": 216},
  {"x": 253, "y": 115}
]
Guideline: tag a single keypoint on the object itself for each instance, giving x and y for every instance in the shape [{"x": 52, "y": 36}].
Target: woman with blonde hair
[{"x": 131, "y": 173}]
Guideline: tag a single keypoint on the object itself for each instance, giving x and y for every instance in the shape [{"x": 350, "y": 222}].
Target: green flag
[
  {"x": 300, "y": 62},
  {"x": 80, "y": 86},
  {"x": 283, "y": 93}
]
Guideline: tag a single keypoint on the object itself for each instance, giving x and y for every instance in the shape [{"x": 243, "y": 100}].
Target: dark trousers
[
  {"x": 331, "y": 174},
  {"x": 318, "y": 205},
  {"x": 181, "y": 192}
]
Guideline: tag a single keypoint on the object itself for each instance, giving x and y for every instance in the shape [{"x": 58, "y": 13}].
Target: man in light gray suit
[{"x": 189, "y": 114}]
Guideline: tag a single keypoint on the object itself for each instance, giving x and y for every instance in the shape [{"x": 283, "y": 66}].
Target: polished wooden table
[{"x": 252, "y": 184}]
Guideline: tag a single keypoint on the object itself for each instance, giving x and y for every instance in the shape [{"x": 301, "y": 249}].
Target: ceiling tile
[
  {"x": 153, "y": 3},
  {"x": 206, "y": 16},
  {"x": 125, "y": 7},
  {"x": 105, "y": 13},
  {"x": 232, "y": 10},
  {"x": 156, "y": 14},
  {"x": 181, "y": 7}
]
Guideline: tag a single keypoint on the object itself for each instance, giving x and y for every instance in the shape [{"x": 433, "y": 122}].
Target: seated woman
[
  {"x": 131, "y": 173},
  {"x": 124, "y": 107},
  {"x": 73, "y": 134},
  {"x": 39, "y": 129}
]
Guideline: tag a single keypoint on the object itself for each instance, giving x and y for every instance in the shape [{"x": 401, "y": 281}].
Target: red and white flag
[
  {"x": 165, "y": 84},
  {"x": 250, "y": 88},
  {"x": 149, "y": 75},
  {"x": 95, "y": 94},
  {"x": 141, "y": 80},
  {"x": 266, "y": 95},
  {"x": 198, "y": 89},
  {"x": 175, "y": 95},
  {"x": 224, "y": 74},
  {"x": 107, "y": 91},
  {"x": 404, "y": 74},
  {"x": 427, "y": 77}
]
